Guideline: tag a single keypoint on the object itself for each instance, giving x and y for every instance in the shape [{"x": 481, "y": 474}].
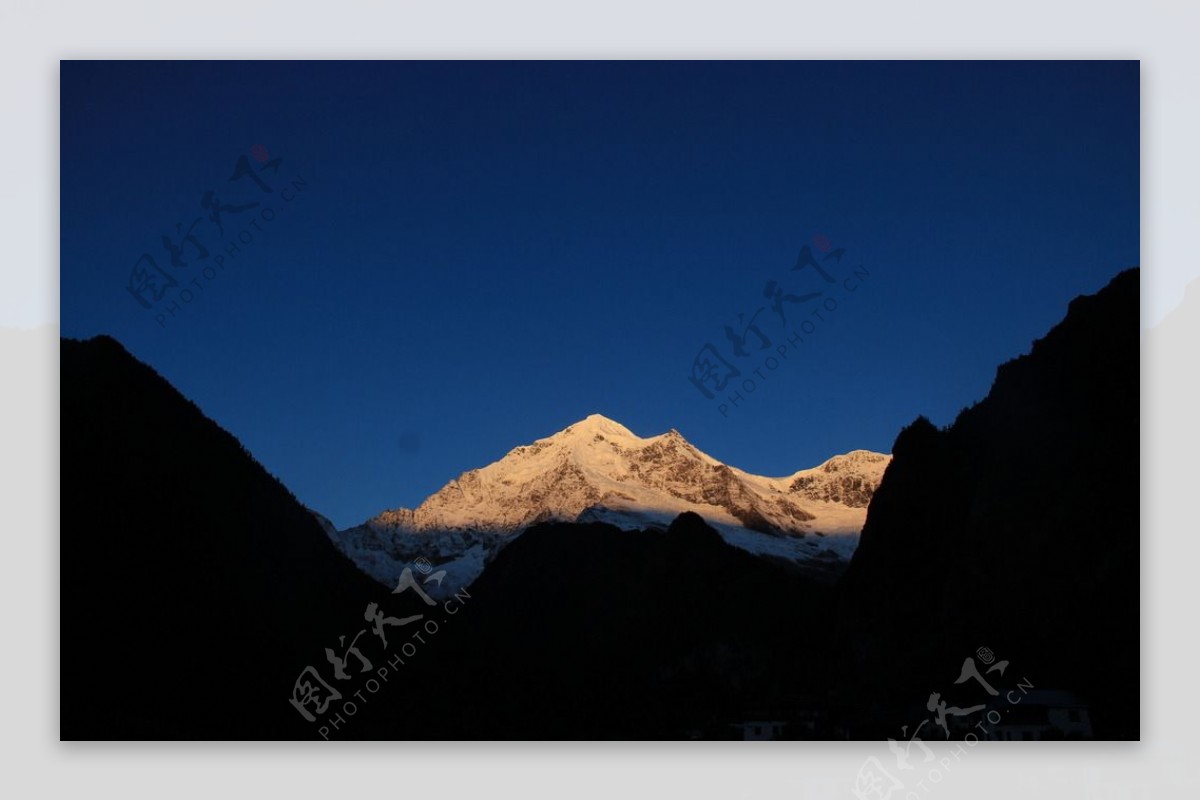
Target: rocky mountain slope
[{"x": 599, "y": 471}]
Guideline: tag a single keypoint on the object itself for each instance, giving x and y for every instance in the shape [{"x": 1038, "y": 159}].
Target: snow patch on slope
[{"x": 599, "y": 470}]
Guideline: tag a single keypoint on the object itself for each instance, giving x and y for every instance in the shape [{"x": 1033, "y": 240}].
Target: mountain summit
[{"x": 597, "y": 470}]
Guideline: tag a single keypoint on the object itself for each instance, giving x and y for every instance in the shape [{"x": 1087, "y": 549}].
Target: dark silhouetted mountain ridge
[
  {"x": 1015, "y": 528},
  {"x": 194, "y": 586}
]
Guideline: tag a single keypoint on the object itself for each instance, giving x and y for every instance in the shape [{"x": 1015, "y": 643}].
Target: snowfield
[{"x": 598, "y": 470}]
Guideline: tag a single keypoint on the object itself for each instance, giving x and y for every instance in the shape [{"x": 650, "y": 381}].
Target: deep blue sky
[{"x": 484, "y": 253}]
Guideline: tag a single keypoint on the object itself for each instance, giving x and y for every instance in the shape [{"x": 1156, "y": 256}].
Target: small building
[
  {"x": 1033, "y": 714},
  {"x": 760, "y": 729}
]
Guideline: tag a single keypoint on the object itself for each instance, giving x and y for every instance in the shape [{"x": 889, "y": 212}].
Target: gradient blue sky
[{"x": 485, "y": 253}]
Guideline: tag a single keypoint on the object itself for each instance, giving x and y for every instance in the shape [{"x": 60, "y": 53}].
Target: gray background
[{"x": 34, "y": 36}]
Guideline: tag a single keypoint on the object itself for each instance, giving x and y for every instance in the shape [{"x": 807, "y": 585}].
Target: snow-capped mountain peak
[
  {"x": 598, "y": 423},
  {"x": 599, "y": 470}
]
